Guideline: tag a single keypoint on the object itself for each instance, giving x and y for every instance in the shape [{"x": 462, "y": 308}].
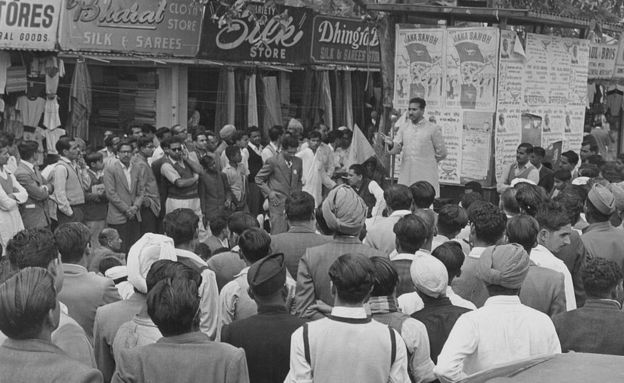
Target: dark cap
[{"x": 268, "y": 275}]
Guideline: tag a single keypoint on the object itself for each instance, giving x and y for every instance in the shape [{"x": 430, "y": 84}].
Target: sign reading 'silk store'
[
  {"x": 339, "y": 40},
  {"x": 29, "y": 24}
]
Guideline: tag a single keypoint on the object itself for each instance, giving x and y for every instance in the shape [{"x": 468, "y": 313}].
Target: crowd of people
[{"x": 197, "y": 256}]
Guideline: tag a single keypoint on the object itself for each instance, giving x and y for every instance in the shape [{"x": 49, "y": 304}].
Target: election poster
[
  {"x": 507, "y": 137},
  {"x": 573, "y": 128},
  {"x": 602, "y": 59},
  {"x": 511, "y": 70},
  {"x": 451, "y": 123},
  {"x": 419, "y": 67},
  {"x": 471, "y": 68},
  {"x": 536, "y": 80},
  {"x": 579, "y": 61},
  {"x": 476, "y": 142}
]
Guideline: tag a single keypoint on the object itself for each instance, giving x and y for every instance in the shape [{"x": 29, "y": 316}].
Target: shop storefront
[{"x": 132, "y": 59}]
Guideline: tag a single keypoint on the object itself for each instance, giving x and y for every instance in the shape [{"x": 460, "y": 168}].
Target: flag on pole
[{"x": 360, "y": 149}]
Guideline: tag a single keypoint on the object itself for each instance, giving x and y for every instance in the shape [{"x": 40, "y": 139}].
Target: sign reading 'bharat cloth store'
[
  {"x": 339, "y": 40},
  {"x": 262, "y": 33},
  {"x": 29, "y": 24},
  {"x": 161, "y": 27}
]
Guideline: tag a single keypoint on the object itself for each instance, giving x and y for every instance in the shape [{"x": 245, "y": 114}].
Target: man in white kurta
[
  {"x": 315, "y": 159},
  {"x": 421, "y": 145}
]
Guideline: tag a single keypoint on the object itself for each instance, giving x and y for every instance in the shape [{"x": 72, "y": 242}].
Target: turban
[
  {"x": 117, "y": 273},
  {"x": 516, "y": 181},
  {"x": 618, "y": 194},
  {"x": 602, "y": 199},
  {"x": 580, "y": 181},
  {"x": 344, "y": 211},
  {"x": 267, "y": 275},
  {"x": 227, "y": 131},
  {"x": 505, "y": 266},
  {"x": 429, "y": 275},
  {"x": 142, "y": 255}
]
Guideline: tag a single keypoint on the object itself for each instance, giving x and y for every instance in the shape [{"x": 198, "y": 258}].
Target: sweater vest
[
  {"x": 175, "y": 192},
  {"x": 367, "y": 196},
  {"x": 512, "y": 176},
  {"x": 255, "y": 164},
  {"x": 73, "y": 185}
]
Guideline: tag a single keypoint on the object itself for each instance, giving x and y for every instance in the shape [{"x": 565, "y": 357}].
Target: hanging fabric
[
  {"x": 326, "y": 100},
  {"x": 252, "y": 102},
  {"x": 54, "y": 69},
  {"x": 272, "y": 107},
  {"x": 5, "y": 64},
  {"x": 240, "y": 97},
  {"x": 231, "y": 96},
  {"x": 221, "y": 115},
  {"x": 80, "y": 101},
  {"x": 348, "y": 99},
  {"x": 337, "y": 94},
  {"x": 16, "y": 80}
]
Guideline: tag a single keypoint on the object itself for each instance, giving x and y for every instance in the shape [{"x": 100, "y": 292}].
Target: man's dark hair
[
  {"x": 32, "y": 248},
  {"x": 181, "y": 225},
  {"x": 571, "y": 156},
  {"x": 106, "y": 235},
  {"x": 203, "y": 251},
  {"x": 27, "y": 149},
  {"x": 108, "y": 262},
  {"x": 420, "y": 101},
  {"x": 72, "y": 239},
  {"x": 611, "y": 173},
  {"x": 173, "y": 304},
  {"x": 591, "y": 142},
  {"x": 289, "y": 142},
  {"x": 530, "y": 198},
  {"x": 562, "y": 175},
  {"x": 231, "y": 152},
  {"x": 572, "y": 199},
  {"x": 218, "y": 224},
  {"x": 398, "y": 197},
  {"x": 254, "y": 128},
  {"x": 386, "y": 277},
  {"x": 600, "y": 276},
  {"x": 596, "y": 160},
  {"x": 314, "y": 134},
  {"x": 552, "y": 216},
  {"x": 588, "y": 170},
  {"x": 523, "y": 229},
  {"x": 489, "y": 222},
  {"x": 358, "y": 169},
  {"x": 93, "y": 157},
  {"x": 474, "y": 186},
  {"x": 275, "y": 132},
  {"x": 198, "y": 133},
  {"x": 334, "y": 135},
  {"x": 451, "y": 219},
  {"x": 539, "y": 151},
  {"x": 239, "y": 222},
  {"x": 412, "y": 232},
  {"x": 108, "y": 141},
  {"x": 450, "y": 253},
  {"x": 353, "y": 275},
  {"x": 31, "y": 308},
  {"x": 239, "y": 134},
  {"x": 254, "y": 244},
  {"x": 165, "y": 268},
  {"x": 527, "y": 146},
  {"x": 423, "y": 194},
  {"x": 300, "y": 207},
  {"x": 167, "y": 142},
  {"x": 469, "y": 198},
  {"x": 161, "y": 132},
  {"x": 509, "y": 201},
  {"x": 143, "y": 142},
  {"x": 64, "y": 143}
]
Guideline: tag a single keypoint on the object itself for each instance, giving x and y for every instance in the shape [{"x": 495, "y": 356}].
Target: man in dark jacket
[
  {"x": 265, "y": 337},
  {"x": 597, "y": 326}
]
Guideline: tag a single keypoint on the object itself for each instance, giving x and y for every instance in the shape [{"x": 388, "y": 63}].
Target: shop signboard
[
  {"x": 339, "y": 40},
  {"x": 155, "y": 27},
  {"x": 266, "y": 33},
  {"x": 602, "y": 58},
  {"x": 29, "y": 24}
]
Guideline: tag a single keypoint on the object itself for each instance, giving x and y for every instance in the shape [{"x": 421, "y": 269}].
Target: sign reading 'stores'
[
  {"x": 160, "y": 27},
  {"x": 29, "y": 24},
  {"x": 339, "y": 40}
]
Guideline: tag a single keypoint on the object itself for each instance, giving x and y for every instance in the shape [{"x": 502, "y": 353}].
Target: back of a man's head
[
  {"x": 523, "y": 229},
  {"x": 163, "y": 269},
  {"x": 300, "y": 207},
  {"x": 411, "y": 233},
  {"x": 451, "y": 220},
  {"x": 552, "y": 216},
  {"x": 217, "y": 225},
  {"x": 32, "y": 248},
  {"x": 72, "y": 240},
  {"x": 353, "y": 277},
  {"x": 239, "y": 222},
  {"x": 173, "y": 304},
  {"x": 423, "y": 194},
  {"x": 572, "y": 198},
  {"x": 26, "y": 299},
  {"x": 600, "y": 277},
  {"x": 509, "y": 203},
  {"x": 469, "y": 198},
  {"x": 398, "y": 197},
  {"x": 106, "y": 236},
  {"x": 254, "y": 244},
  {"x": 450, "y": 253},
  {"x": 488, "y": 222},
  {"x": 530, "y": 198},
  {"x": 386, "y": 277},
  {"x": 181, "y": 226}
]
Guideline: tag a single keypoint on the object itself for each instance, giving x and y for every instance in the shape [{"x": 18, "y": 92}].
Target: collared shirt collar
[
  {"x": 598, "y": 226},
  {"x": 603, "y": 303},
  {"x": 381, "y": 305},
  {"x": 65, "y": 159},
  {"x": 346, "y": 239},
  {"x": 400, "y": 213},
  {"x": 476, "y": 252},
  {"x": 528, "y": 165},
  {"x": 396, "y": 256},
  {"x": 73, "y": 268},
  {"x": 349, "y": 312},
  {"x": 272, "y": 309},
  {"x": 255, "y": 148},
  {"x": 244, "y": 271},
  {"x": 302, "y": 227},
  {"x": 189, "y": 337},
  {"x": 275, "y": 147},
  {"x": 28, "y": 165},
  {"x": 502, "y": 300},
  {"x": 181, "y": 163},
  {"x": 190, "y": 255}
]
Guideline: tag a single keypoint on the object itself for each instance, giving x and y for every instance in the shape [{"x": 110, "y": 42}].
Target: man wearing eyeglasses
[
  {"x": 421, "y": 145},
  {"x": 180, "y": 175}
]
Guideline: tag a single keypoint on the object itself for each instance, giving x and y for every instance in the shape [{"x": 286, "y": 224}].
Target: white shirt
[
  {"x": 542, "y": 257},
  {"x": 127, "y": 170},
  {"x": 380, "y": 201},
  {"x": 256, "y": 149},
  {"x": 269, "y": 151},
  {"x": 502, "y": 331}
]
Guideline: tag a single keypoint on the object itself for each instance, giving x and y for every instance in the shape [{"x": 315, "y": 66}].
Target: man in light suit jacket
[
  {"x": 279, "y": 177},
  {"x": 125, "y": 190},
  {"x": 35, "y": 210},
  {"x": 83, "y": 292}
]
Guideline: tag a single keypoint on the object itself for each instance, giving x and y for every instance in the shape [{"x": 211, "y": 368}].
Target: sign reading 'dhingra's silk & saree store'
[
  {"x": 160, "y": 27},
  {"x": 339, "y": 40},
  {"x": 29, "y": 24},
  {"x": 268, "y": 33}
]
